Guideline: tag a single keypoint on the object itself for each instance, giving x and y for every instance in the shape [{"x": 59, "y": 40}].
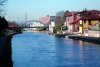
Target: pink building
[
  {"x": 45, "y": 19},
  {"x": 72, "y": 20}
]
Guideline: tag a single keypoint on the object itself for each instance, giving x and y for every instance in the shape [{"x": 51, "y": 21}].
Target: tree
[
  {"x": 60, "y": 14},
  {"x": 2, "y": 3},
  {"x": 60, "y": 17},
  {"x": 59, "y": 20},
  {"x": 65, "y": 13},
  {"x": 3, "y": 24}
]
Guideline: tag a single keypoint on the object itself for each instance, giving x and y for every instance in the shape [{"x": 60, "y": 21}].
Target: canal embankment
[
  {"x": 84, "y": 38},
  {"x": 77, "y": 37},
  {"x": 6, "y": 50}
]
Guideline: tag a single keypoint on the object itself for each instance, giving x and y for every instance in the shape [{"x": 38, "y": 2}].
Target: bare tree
[
  {"x": 60, "y": 14},
  {"x": 60, "y": 17},
  {"x": 2, "y": 4}
]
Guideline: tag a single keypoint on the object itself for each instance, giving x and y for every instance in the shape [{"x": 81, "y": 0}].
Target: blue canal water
[{"x": 36, "y": 49}]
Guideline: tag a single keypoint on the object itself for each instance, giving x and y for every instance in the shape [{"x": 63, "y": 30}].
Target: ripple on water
[{"x": 41, "y": 50}]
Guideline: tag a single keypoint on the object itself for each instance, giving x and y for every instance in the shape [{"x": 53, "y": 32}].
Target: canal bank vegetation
[
  {"x": 57, "y": 28},
  {"x": 6, "y": 57},
  {"x": 60, "y": 21}
]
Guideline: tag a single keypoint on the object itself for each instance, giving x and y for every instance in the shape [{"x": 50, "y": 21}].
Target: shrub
[{"x": 57, "y": 27}]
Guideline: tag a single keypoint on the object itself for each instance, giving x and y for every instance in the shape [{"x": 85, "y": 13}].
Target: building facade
[
  {"x": 77, "y": 21},
  {"x": 45, "y": 19},
  {"x": 52, "y": 23},
  {"x": 72, "y": 21}
]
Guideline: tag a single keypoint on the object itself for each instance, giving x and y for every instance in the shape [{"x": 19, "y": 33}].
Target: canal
[{"x": 37, "y": 49}]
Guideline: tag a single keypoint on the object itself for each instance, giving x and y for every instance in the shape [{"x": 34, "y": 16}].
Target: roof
[
  {"x": 89, "y": 14},
  {"x": 94, "y": 11},
  {"x": 74, "y": 21},
  {"x": 44, "y": 19},
  {"x": 11, "y": 25},
  {"x": 70, "y": 13},
  {"x": 52, "y": 18},
  {"x": 90, "y": 17}
]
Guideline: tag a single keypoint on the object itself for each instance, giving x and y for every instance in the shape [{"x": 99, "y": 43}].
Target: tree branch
[{"x": 2, "y": 2}]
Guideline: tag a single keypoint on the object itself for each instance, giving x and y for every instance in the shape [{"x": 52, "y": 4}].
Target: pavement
[
  {"x": 85, "y": 38},
  {"x": 2, "y": 42}
]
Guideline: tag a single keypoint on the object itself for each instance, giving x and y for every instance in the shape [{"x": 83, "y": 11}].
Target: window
[
  {"x": 84, "y": 21},
  {"x": 99, "y": 20},
  {"x": 80, "y": 24},
  {"x": 90, "y": 22}
]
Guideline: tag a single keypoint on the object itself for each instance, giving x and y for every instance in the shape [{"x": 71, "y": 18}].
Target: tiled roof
[
  {"x": 44, "y": 19},
  {"x": 94, "y": 11},
  {"x": 71, "y": 13},
  {"x": 90, "y": 17},
  {"x": 74, "y": 21}
]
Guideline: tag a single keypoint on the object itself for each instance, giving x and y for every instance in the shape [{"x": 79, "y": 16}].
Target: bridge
[{"x": 30, "y": 24}]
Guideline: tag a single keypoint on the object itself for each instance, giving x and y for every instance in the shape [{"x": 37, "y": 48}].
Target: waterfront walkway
[
  {"x": 5, "y": 51},
  {"x": 78, "y": 37},
  {"x": 2, "y": 42},
  {"x": 85, "y": 38}
]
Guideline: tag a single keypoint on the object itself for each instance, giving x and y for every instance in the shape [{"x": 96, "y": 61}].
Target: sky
[{"x": 16, "y": 9}]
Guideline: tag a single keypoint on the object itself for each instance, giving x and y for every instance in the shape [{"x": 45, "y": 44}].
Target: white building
[{"x": 51, "y": 26}]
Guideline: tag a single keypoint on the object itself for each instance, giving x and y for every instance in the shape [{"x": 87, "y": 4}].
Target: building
[
  {"x": 45, "y": 19},
  {"x": 72, "y": 21},
  {"x": 95, "y": 12},
  {"x": 51, "y": 23},
  {"x": 87, "y": 20}
]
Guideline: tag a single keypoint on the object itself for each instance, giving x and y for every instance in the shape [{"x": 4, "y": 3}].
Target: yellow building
[{"x": 88, "y": 21}]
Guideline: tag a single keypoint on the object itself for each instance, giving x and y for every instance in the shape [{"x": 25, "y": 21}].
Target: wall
[
  {"x": 80, "y": 26},
  {"x": 85, "y": 24},
  {"x": 93, "y": 33},
  {"x": 93, "y": 22}
]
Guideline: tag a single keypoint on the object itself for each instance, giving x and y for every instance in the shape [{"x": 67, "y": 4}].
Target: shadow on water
[{"x": 6, "y": 57}]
